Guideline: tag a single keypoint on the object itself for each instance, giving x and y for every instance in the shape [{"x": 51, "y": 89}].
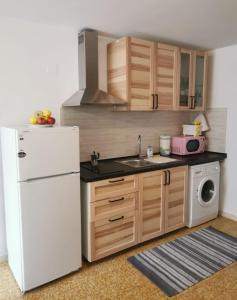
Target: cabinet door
[
  {"x": 199, "y": 80},
  {"x": 165, "y": 76},
  {"x": 112, "y": 234},
  {"x": 117, "y": 65},
  {"x": 175, "y": 201},
  {"x": 151, "y": 205},
  {"x": 140, "y": 82},
  {"x": 185, "y": 78}
]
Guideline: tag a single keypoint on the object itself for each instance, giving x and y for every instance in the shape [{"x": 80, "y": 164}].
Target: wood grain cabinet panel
[
  {"x": 130, "y": 72},
  {"x": 109, "y": 216},
  {"x": 175, "y": 199},
  {"x": 141, "y": 74},
  {"x": 165, "y": 77},
  {"x": 151, "y": 205},
  {"x": 113, "y": 187},
  {"x": 121, "y": 212},
  {"x": 117, "y": 64},
  {"x": 152, "y": 76},
  {"x": 112, "y": 234},
  {"x": 114, "y": 205}
]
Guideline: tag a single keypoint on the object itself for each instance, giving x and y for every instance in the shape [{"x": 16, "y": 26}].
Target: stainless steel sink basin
[{"x": 136, "y": 163}]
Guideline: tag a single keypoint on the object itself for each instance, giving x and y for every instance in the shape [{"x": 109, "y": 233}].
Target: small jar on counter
[
  {"x": 149, "y": 151},
  {"x": 165, "y": 145}
]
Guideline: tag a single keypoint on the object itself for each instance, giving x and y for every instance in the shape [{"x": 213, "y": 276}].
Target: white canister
[{"x": 165, "y": 145}]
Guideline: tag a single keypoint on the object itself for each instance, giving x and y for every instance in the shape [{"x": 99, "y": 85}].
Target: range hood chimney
[{"x": 89, "y": 92}]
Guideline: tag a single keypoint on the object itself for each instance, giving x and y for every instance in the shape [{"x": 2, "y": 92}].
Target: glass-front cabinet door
[
  {"x": 192, "y": 80},
  {"x": 185, "y": 79},
  {"x": 198, "y": 96}
]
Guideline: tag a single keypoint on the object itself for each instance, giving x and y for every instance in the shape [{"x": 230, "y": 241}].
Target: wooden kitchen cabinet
[
  {"x": 162, "y": 202},
  {"x": 113, "y": 187},
  {"x": 130, "y": 72},
  {"x": 151, "y": 76},
  {"x": 112, "y": 234},
  {"x": 175, "y": 198},
  {"x": 192, "y": 79},
  {"x": 124, "y": 211},
  {"x": 151, "y": 208},
  {"x": 143, "y": 73},
  {"x": 109, "y": 216},
  {"x": 165, "y": 76}
]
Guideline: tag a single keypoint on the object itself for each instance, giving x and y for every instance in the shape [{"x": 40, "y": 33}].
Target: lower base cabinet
[
  {"x": 112, "y": 222},
  {"x": 175, "y": 199},
  {"x": 151, "y": 223},
  {"x": 113, "y": 234}
]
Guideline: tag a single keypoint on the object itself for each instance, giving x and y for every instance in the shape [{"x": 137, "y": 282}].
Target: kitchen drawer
[
  {"x": 114, "y": 205},
  {"x": 113, "y": 234},
  {"x": 113, "y": 187}
]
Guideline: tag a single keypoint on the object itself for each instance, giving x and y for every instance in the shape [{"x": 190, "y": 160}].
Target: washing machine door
[{"x": 206, "y": 191}]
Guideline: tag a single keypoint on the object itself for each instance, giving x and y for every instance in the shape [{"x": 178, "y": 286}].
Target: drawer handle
[
  {"x": 117, "y": 180},
  {"x": 113, "y": 220},
  {"x": 115, "y": 200}
]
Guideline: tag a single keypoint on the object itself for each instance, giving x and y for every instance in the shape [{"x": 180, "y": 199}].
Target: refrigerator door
[
  {"x": 51, "y": 228},
  {"x": 47, "y": 151}
]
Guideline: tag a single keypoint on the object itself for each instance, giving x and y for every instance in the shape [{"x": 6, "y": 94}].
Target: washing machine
[{"x": 203, "y": 195}]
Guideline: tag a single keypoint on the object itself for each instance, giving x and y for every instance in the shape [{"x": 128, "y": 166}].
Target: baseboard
[
  {"x": 3, "y": 258},
  {"x": 228, "y": 216}
]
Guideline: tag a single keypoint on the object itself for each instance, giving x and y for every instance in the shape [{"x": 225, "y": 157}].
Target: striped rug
[{"x": 179, "y": 264}]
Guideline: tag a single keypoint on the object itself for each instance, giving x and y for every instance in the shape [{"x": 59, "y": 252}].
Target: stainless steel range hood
[{"x": 89, "y": 92}]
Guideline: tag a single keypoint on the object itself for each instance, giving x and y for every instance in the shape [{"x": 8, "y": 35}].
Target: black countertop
[{"x": 109, "y": 168}]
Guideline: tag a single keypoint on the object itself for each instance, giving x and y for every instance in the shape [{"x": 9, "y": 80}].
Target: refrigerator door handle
[{"x": 47, "y": 177}]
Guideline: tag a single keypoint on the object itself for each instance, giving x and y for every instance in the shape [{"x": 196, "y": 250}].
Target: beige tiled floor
[{"x": 114, "y": 278}]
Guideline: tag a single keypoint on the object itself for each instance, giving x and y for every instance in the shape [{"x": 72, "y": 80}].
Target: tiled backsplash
[
  {"x": 217, "y": 119},
  {"x": 216, "y": 136},
  {"x": 114, "y": 134}
]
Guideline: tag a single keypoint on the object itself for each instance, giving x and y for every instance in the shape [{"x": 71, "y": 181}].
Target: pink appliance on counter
[{"x": 186, "y": 145}]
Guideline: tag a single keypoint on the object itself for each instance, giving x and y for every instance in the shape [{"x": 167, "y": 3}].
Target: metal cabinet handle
[
  {"x": 194, "y": 102},
  {"x": 115, "y": 200},
  {"x": 165, "y": 183},
  {"x": 157, "y": 100},
  {"x": 168, "y": 183},
  {"x": 117, "y": 180},
  {"x": 153, "y": 101},
  {"x": 190, "y": 102},
  {"x": 113, "y": 220}
]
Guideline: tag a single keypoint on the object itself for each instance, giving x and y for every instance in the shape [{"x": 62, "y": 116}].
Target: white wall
[
  {"x": 38, "y": 69},
  {"x": 223, "y": 93}
]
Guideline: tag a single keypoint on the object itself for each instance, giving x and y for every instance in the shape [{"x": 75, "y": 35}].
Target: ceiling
[{"x": 200, "y": 23}]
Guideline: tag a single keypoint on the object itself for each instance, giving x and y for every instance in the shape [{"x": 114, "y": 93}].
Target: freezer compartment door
[
  {"x": 51, "y": 228},
  {"x": 47, "y": 151}
]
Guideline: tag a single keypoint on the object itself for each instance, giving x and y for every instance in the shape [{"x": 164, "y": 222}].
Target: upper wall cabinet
[
  {"x": 165, "y": 76},
  {"x": 152, "y": 76},
  {"x": 192, "y": 76},
  {"x": 130, "y": 72}
]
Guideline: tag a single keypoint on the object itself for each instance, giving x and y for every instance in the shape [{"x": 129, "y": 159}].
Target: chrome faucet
[{"x": 139, "y": 142}]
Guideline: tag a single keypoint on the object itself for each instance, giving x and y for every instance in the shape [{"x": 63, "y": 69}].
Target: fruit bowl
[{"x": 42, "y": 118}]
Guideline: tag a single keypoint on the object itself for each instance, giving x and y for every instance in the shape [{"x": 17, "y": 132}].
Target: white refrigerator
[{"x": 41, "y": 174}]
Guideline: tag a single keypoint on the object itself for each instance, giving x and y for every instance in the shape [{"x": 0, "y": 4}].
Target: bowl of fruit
[{"x": 42, "y": 118}]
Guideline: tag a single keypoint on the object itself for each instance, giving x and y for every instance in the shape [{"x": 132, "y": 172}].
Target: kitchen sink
[
  {"x": 157, "y": 159},
  {"x": 136, "y": 163}
]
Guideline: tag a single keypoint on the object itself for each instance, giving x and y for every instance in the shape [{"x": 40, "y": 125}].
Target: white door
[
  {"x": 51, "y": 228},
  {"x": 47, "y": 151}
]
